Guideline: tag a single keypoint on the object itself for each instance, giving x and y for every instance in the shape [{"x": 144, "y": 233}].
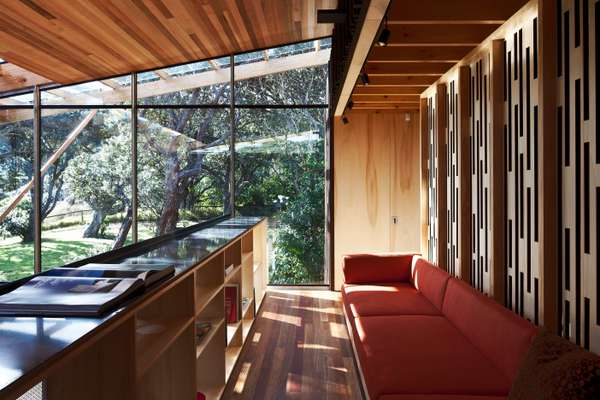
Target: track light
[
  {"x": 384, "y": 36},
  {"x": 350, "y": 105},
  {"x": 364, "y": 78},
  {"x": 345, "y": 120}
]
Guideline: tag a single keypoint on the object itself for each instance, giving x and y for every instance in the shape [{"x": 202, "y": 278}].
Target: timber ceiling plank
[
  {"x": 76, "y": 40},
  {"x": 419, "y": 53},
  {"x": 377, "y": 91},
  {"x": 440, "y": 34},
  {"x": 479, "y": 11},
  {"x": 427, "y": 38}
]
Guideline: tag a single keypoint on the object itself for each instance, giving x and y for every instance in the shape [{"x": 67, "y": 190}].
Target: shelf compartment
[
  {"x": 160, "y": 323},
  {"x": 231, "y": 355},
  {"x": 217, "y": 324},
  {"x": 210, "y": 365},
  {"x": 234, "y": 336},
  {"x": 209, "y": 280},
  {"x": 233, "y": 254},
  {"x": 176, "y": 361},
  {"x": 247, "y": 242}
]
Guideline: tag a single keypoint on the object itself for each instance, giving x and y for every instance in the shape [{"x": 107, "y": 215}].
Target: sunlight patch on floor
[
  {"x": 288, "y": 319},
  {"x": 242, "y": 376}
]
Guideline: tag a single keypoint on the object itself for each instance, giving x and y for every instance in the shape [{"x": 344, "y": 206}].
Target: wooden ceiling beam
[
  {"x": 440, "y": 34},
  {"x": 385, "y": 98},
  {"x": 419, "y": 53},
  {"x": 480, "y": 11},
  {"x": 386, "y": 106},
  {"x": 401, "y": 80},
  {"x": 408, "y": 68},
  {"x": 13, "y": 77},
  {"x": 377, "y": 91},
  {"x": 162, "y": 74},
  {"x": 176, "y": 83}
]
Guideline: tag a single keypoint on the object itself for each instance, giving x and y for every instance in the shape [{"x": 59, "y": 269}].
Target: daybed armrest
[{"x": 371, "y": 268}]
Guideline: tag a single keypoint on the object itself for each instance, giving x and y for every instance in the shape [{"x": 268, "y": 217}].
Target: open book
[
  {"x": 90, "y": 290},
  {"x": 67, "y": 296},
  {"x": 148, "y": 273}
]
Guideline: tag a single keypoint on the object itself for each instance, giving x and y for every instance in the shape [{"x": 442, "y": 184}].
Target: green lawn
[
  {"x": 59, "y": 247},
  {"x": 16, "y": 259}
]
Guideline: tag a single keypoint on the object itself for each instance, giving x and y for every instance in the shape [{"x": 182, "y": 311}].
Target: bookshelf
[{"x": 150, "y": 349}]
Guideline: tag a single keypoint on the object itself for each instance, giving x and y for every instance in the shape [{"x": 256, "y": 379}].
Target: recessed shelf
[
  {"x": 231, "y": 355},
  {"x": 153, "y": 338},
  {"x": 232, "y": 274},
  {"x": 206, "y": 298},
  {"x": 205, "y": 340},
  {"x": 246, "y": 257},
  {"x": 247, "y": 307},
  {"x": 232, "y": 329}
]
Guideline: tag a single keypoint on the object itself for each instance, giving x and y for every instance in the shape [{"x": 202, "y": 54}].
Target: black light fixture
[
  {"x": 345, "y": 120},
  {"x": 350, "y": 105},
  {"x": 364, "y": 77},
  {"x": 384, "y": 36}
]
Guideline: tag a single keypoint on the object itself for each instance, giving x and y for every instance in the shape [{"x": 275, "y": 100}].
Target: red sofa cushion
[
  {"x": 497, "y": 332},
  {"x": 421, "y": 354},
  {"x": 381, "y": 268},
  {"x": 429, "y": 280},
  {"x": 385, "y": 299}
]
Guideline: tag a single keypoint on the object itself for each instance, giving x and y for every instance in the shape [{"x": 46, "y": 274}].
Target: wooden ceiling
[
  {"x": 427, "y": 38},
  {"x": 69, "y": 41}
]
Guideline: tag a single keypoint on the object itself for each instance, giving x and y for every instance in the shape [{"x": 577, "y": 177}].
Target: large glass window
[
  {"x": 180, "y": 129},
  {"x": 86, "y": 183},
  {"x": 16, "y": 191},
  {"x": 280, "y": 174},
  {"x": 183, "y": 168}
]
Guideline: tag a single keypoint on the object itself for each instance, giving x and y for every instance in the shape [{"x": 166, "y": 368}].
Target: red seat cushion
[
  {"x": 412, "y": 354},
  {"x": 385, "y": 299},
  {"x": 497, "y": 332},
  {"x": 429, "y": 280}
]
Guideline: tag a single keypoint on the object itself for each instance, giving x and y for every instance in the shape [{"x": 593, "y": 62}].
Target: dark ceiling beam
[
  {"x": 419, "y": 53},
  {"x": 428, "y": 11}
]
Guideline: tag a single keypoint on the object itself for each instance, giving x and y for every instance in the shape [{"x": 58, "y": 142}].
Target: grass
[{"x": 60, "y": 246}]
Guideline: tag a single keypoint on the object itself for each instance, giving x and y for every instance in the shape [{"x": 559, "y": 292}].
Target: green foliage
[{"x": 18, "y": 221}]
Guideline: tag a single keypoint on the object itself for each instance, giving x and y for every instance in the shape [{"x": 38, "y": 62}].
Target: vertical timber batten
[
  {"x": 498, "y": 167},
  {"x": 442, "y": 209}
]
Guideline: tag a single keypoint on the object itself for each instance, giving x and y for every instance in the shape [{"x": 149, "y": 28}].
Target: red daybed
[{"x": 421, "y": 334}]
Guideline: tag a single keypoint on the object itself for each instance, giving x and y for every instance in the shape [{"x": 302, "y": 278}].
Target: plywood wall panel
[
  {"x": 577, "y": 111},
  {"x": 480, "y": 121},
  {"x": 376, "y": 178}
]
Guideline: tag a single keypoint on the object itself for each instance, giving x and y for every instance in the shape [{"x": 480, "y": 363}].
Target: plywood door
[{"x": 376, "y": 167}]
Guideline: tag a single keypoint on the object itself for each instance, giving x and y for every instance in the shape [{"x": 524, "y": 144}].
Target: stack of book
[{"x": 90, "y": 290}]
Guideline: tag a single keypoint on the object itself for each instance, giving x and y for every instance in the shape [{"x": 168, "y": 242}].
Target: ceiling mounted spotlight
[
  {"x": 364, "y": 78},
  {"x": 384, "y": 36},
  {"x": 350, "y": 105},
  {"x": 345, "y": 120}
]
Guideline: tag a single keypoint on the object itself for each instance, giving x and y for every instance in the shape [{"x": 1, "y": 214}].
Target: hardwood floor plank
[{"x": 298, "y": 349}]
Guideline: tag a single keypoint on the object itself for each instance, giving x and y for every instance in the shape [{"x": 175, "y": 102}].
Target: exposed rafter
[
  {"x": 427, "y": 38},
  {"x": 176, "y": 83}
]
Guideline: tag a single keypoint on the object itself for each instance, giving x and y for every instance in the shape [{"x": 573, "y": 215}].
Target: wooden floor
[{"x": 298, "y": 349}]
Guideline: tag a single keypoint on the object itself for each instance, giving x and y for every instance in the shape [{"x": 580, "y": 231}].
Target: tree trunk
[
  {"x": 123, "y": 230},
  {"x": 93, "y": 228}
]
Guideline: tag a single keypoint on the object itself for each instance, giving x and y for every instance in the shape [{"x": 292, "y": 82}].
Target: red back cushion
[
  {"x": 377, "y": 268},
  {"x": 501, "y": 335},
  {"x": 429, "y": 280}
]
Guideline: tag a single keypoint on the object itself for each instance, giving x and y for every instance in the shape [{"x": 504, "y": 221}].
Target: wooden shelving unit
[{"x": 153, "y": 350}]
